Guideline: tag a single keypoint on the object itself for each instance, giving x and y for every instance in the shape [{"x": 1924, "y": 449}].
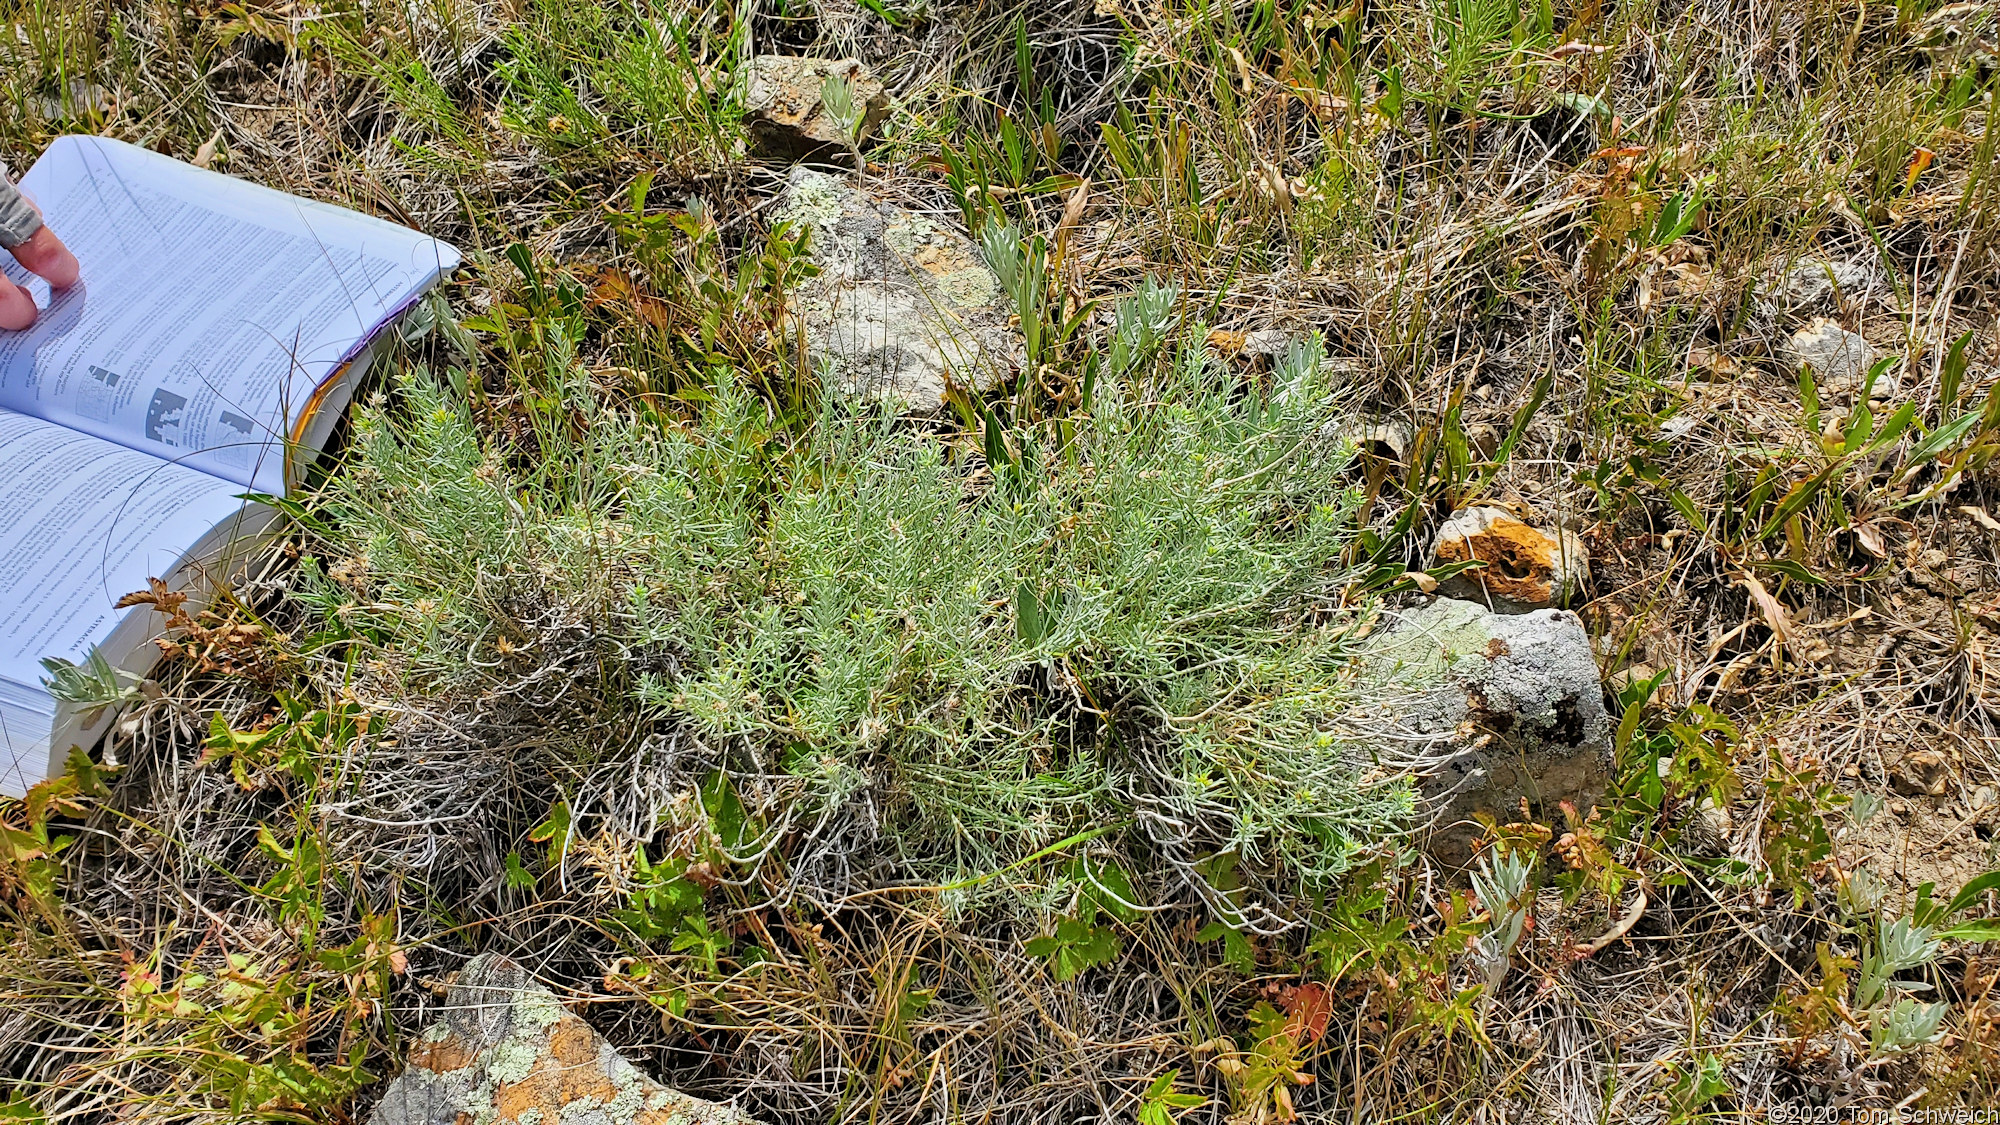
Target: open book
[{"x": 214, "y": 337}]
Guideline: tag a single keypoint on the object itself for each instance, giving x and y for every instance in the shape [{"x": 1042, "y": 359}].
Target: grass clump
[
  {"x": 587, "y": 81},
  {"x": 1132, "y": 618}
]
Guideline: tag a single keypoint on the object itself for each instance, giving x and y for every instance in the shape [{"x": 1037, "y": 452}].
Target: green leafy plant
[
  {"x": 1022, "y": 267},
  {"x": 241, "y": 1031},
  {"x": 697, "y": 310},
  {"x": 1700, "y": 1082},
  {"x": 1141, "y": 325},
  {"x": 694, "y": 936},
  {"x": 664, "y": 904},
  {"x": 1930, "y": 914},
  {"x": 1262, "y": 1074},
  {"x": 1076, "y": 945},
  {"x": 29, "y": 867},
  {"x": 296, "y": 891},
  {"x": 1505, "y": 888},
  {"x": 1895, "y": 1021},
  {"x": 289, "y": 745},
  {"x": 94, "y": 684},
  {"x": 1086, "y": 939},
  {"x": 556, "y": 831},
  {"x": 1157, "y": 1105},
  {"x": 1882, "y": 1005},
  {"x": 836, "y": 101},
  {"x": 1795, "y": 823}
]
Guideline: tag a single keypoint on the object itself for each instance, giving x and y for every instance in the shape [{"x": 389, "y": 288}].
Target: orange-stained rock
[
  {"x": 1525, "y": 568},
  {"x": 505, "y": 1052}
]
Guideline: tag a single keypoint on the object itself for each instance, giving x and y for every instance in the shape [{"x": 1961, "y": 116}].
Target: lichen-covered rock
[
  {"x": 1493, "y": 708},
  {"x": 1816, "y": 286},
  {"x": 505, "y": 1052},
  {"x": 903, "y": 306},
  {"x": 1839, "y": 359},
  {"x": 1525, "y": 568},
  {"x": 785, "y": 112}
]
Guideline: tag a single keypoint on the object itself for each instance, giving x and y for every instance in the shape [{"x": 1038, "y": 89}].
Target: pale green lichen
[
  {"x": 481, "y": 1103},
  {"x": 631, "y": 1091},
  {"x": 537, "y": 1009},
  {"x": 906, "y": 234},
  {"x": 529, "y": 1116},
  {"x": 437, "y": 1032},
  {"x": 583, "y": 1111},
  {"x": 969, "y": 287},
  {"x": 812, "y": 309},
  {"x": 512, "y": 1061},
  {"x": 813, "y": 202},
  {"x": 1423, "y": 658}
]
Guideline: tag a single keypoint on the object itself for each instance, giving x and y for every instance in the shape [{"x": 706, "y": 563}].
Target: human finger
[
  {"x": 17, "y": 306},
  {"x": 46, "y": 255}
]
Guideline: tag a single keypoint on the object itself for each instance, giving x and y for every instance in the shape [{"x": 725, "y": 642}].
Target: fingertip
[
  {"x": 17, "y": 307},
  {"x": 45, "y": 254}
]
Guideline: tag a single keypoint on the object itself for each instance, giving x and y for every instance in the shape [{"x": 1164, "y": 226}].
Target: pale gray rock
[
  {"x": 1271, "y": 343},
  {"x": 1839, "y": 359},
  {"x": 1387, "y": 438},
  {"x": 1818, "y": 286},
  {"x": 904, "y": 305},
  {"x": 506, "y": 1052},
  {"x": 1494, "y": 708}
]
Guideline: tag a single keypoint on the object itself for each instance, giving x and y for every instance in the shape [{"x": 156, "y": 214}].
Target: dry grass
[{"x": 1464, "y": 199}]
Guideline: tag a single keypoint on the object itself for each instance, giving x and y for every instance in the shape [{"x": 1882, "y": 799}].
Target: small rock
[
  {"x": 1490, "y": 709},
  {"x": 85, "y": 98},
  {"x": 1268, "y": 342},
  {"x": 1708, "y": 828},
  {"x": 1526, "y": 568},
  {"x": 1982, "y": 797},
  {"x": 785, "y": 114},
  {"x": 1226, "y": 342},
  {"x": 1899, "y": 808},
  {"x": 1921, "y": 773},
  {"x": 1629, "y": 676},
  {"x": 1266, "y": 346},
  {"x": 1717, "y": 818},
  {"x": 1839, "y": 359},
  {"x": 1484, "y": 439},
  {"x": 904, "y": 305},
  {"x": 1818, "y": 285},
  {"x": 1387, "y": 438},
  {"x": 505, "y": 1051}
]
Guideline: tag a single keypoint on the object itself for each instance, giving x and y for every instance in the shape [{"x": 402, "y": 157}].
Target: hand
[{"x": 43, "y": 254}]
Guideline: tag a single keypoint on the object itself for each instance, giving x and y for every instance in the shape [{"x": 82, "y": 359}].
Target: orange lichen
[{"x": 1521, "y": 562}]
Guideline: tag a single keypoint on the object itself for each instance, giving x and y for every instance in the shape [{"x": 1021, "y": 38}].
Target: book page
[
  {"x": 84, "y": 522},
  {"x": 27, "y": 718},
  {"x": 209, "y": 309}
]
